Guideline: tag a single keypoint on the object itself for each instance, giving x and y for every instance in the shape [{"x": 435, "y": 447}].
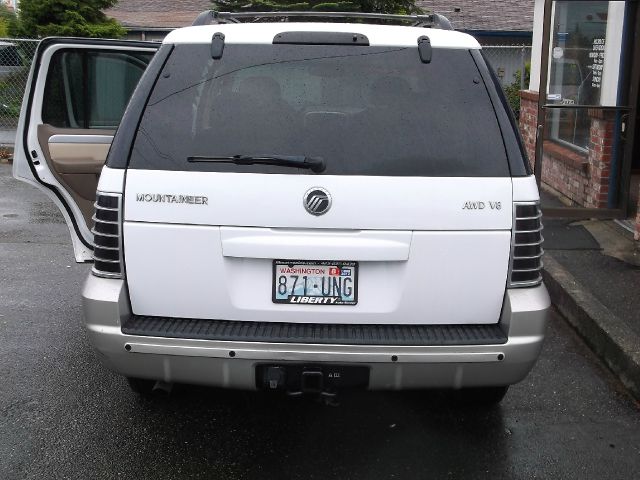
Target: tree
[
  {"x": 68, "y": 18},
  {"x": 376, "y": 6},
  {"x": 7, "y": 21}
]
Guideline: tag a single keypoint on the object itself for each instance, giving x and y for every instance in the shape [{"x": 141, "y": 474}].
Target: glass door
[{"x": 582, "y": 159}]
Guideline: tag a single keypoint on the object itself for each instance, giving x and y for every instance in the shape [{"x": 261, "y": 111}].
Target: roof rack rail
[{"x": 213, "y": 17}]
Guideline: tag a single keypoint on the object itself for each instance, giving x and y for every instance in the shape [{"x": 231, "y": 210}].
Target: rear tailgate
[{"x": 429, "y": 250}]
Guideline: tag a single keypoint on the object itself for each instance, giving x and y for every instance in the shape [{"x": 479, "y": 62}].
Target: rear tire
[
  {"x": 141, "y": 386},
  {"x": 480, "y": 396}
]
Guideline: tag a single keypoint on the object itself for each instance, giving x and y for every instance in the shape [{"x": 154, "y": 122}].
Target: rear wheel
[
  {"x": 141, "y": 386},
  {"x": 481, "y": 396}
]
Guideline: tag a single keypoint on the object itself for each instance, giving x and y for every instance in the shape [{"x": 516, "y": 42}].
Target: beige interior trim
[{"x": 78, "y": 157}]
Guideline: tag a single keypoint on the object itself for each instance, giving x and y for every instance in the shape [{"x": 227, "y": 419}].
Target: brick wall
[
  {"x": 600, "y": 155},
  {"x": 581, "y": 177},
  {"x": 529, "y": 121},
  {"x": 565, "y": 171}
]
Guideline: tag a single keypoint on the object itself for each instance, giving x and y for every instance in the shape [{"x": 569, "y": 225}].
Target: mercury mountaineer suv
[{"x": 297, "y": 206}]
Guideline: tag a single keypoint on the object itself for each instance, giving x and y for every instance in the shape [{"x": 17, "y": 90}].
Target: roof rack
[{"x": 213, "y": 17}]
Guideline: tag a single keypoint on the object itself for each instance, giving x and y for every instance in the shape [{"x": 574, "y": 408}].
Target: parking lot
[{"x": 63, "y": 415}]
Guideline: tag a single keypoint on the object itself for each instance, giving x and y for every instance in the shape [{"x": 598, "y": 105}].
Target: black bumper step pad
[{"x": 243, "y": 331}]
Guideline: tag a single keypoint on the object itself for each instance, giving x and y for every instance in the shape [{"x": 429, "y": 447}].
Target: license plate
[{"x": 315, "y": 282}]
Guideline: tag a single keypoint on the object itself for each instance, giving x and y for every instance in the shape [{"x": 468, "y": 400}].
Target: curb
[{"x": 605, "y": 333}]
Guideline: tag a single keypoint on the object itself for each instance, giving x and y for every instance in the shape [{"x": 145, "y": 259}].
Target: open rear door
[{"x": 76, "y": 94}]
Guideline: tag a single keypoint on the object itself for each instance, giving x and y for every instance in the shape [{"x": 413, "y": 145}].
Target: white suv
[{"x": 293, "y": 206}]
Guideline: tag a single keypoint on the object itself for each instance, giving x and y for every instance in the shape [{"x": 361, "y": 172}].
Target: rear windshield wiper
[{"x": 315, "y": 164}]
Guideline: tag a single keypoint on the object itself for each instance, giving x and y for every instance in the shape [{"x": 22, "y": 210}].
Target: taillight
[
  {"x": 525, "y": 267},
  {"x": 107, "y": 239}
]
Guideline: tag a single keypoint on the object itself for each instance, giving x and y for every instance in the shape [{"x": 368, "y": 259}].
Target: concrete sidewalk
[{"x": 592, "y": 271}]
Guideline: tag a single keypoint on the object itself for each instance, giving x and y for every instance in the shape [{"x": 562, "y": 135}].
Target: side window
[{"x": 90, "y": 89}]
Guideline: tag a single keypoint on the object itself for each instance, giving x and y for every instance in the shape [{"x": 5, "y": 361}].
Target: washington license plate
[{"x": 315, "y": 282}]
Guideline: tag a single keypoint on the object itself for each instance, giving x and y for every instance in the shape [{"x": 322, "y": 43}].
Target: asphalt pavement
[{"x": 63, "y": 415}]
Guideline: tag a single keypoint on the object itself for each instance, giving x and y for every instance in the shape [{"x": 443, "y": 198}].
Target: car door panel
[
  {"x": 78, "y": 153},
  {"x": 75, "y": 158}
]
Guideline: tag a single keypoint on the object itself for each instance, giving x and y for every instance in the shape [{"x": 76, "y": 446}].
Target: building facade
[{"x": 583, "y": 132}]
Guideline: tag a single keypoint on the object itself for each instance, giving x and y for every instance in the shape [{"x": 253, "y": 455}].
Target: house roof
[
  {"x": 484, "y": 15},
  {"x": 474, "y": 15},
  {"x": 157, "y": 13}
]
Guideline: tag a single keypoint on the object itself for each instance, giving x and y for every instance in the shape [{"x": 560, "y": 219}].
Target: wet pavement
[
  {"x": 605, "y": 265},
  {"x": 63, "y": 415}
]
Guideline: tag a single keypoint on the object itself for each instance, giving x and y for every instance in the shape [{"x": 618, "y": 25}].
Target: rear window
[{"x": 364, "y": 110}]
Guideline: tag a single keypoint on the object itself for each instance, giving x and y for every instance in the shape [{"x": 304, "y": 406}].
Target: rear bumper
[{"x": 231, "y": 364}]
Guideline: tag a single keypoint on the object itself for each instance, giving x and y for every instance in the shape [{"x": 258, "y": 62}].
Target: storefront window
[{"x": 577, "y": 65}]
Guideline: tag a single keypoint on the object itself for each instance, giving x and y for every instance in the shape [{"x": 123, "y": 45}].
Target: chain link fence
[
  {"x": 508, "y": 62},
  {"x": 16, "y": 56},
  {"x": 15, "y": 60}
]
